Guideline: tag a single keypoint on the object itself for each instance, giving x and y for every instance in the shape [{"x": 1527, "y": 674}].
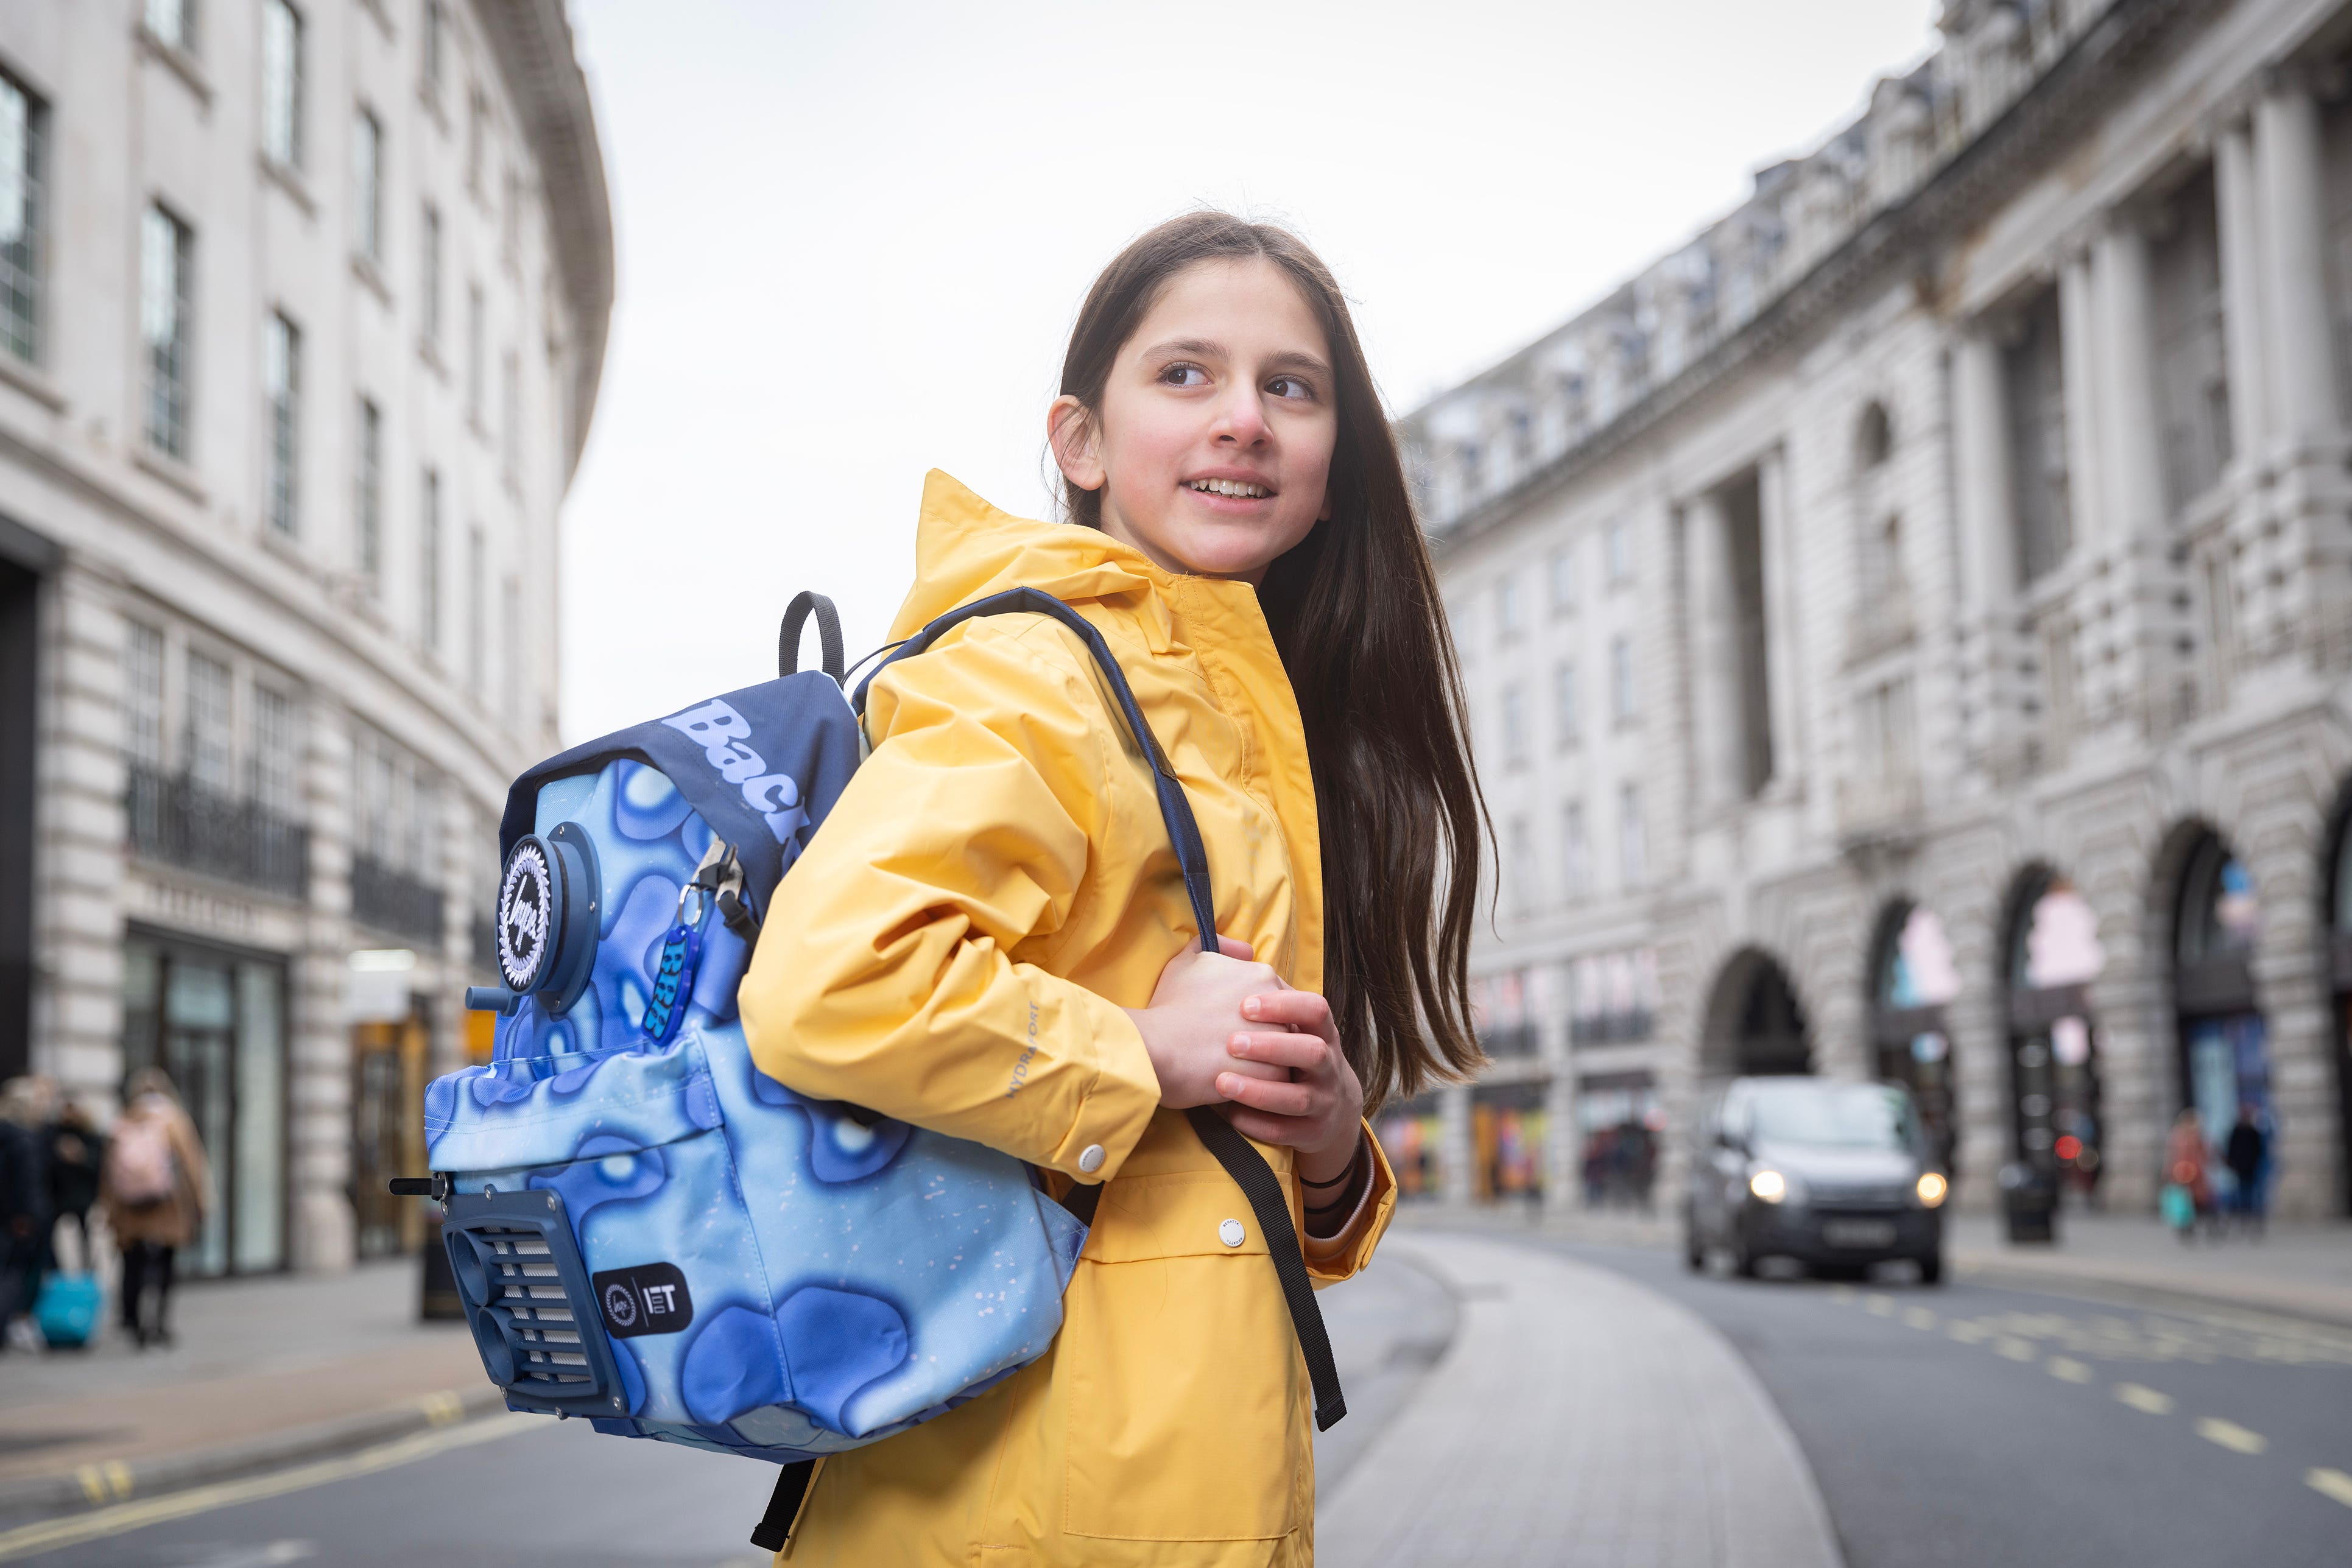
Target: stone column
[
  {"x": 2288, "y": 154},
  {"x": 1563, "y": 1175},
  {"x": 1783, "y": 642},
  {"x": 2138, "y": 1046},
  {"x": 2238, "y": 206},
  {"x": 82, "y": 828},
  {"x": 2132, "y": 456},
  {"x": 2078, "y": 313},
  {"x": 2292, "y": 985},
  {"x": 1978, "y": 1038},
  {"x": 324, "y": 1231},
  {"x": 1714, "y": 657},
  {"x": 1988, "y": 526},
  {"x": 1455, "y": 1152}
]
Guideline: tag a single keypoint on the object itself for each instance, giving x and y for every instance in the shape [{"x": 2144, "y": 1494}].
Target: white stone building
[
  {"x": 1909, "y": 629},
  {"x": 302, "y": 311}
]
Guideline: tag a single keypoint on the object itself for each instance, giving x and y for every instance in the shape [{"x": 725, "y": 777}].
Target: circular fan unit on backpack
[{"x": 548, "y": 899}]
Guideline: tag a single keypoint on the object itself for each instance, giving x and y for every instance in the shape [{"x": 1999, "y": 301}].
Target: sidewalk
[
  {"x": 1574, "y": 1418},
  {"x": 2301, "y": 1270},
  {"x": 264, "y": 1370}
]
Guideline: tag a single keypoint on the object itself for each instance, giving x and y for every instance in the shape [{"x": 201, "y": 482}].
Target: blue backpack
[{"x": 649, "y": 1232}]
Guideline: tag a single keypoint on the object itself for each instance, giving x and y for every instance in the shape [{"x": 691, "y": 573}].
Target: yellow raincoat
[{"x": 994, "y": 887}]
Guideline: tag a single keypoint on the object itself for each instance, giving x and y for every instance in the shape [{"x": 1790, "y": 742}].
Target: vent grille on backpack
[{"x": 529, "y": 1298}]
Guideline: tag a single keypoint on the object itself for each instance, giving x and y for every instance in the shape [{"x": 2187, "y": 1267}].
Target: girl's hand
[
  {"x": 1194, "y": 1008},
  {"x": 1318, "y": 1105}
]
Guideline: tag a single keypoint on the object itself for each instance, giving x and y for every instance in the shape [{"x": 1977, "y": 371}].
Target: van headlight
[
  {"x": 1768, "y": 1185},
  {"x": 1932, "y": 1188}
]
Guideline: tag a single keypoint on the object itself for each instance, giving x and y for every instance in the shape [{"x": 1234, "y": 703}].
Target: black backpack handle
[{"x": 828, "y": 636}]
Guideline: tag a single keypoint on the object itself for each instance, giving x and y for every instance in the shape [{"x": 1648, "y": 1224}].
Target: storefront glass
[
  {"x": 1915, "y": 979},
  {"x": 214, "y": 1021},
  {"x": 2055, "y": 1092},
  {"x": 2225, "y": 1042}
]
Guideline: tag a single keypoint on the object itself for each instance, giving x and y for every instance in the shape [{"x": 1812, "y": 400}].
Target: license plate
[{"x": 1858, "y": 1232}]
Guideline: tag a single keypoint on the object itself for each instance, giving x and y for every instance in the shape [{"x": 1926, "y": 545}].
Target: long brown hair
[{"x": 1356, "y": 615}]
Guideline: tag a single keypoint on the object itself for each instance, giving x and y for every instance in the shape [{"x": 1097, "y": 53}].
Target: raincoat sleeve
[
  {"x": 885, "y": 976},
  {"x": 1331, "y": 1258}
]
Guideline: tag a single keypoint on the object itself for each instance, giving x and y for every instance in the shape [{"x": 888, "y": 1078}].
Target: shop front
[
  {"x": 2225, "y": 1066},
  {"x": 2054, "y": 956},
  {"x": 214, "y": 1017},
  {"x": 1913, "y": 979}
]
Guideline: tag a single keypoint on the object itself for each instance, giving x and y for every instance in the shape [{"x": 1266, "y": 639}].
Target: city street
[{"x": 1960, "y": 1425}]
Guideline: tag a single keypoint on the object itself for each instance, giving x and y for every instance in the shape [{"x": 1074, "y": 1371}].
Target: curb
[
  {"x": 2319, "y": 1304},
  {"x": 106, "y": 1481}
]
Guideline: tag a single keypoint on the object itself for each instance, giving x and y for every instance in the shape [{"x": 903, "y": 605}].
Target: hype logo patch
[{"x": 721, "y": 732}]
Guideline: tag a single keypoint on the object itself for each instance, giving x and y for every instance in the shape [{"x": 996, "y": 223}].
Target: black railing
[
  {"x": 392, "y": 900},
  {"x": 1612, "y": 1029},
  {"x": 1509, "y": 1040},
  {"x": 181, "y": 822}
]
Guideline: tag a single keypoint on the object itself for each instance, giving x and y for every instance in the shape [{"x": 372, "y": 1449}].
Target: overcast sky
[{"x": 853, "y": 238}]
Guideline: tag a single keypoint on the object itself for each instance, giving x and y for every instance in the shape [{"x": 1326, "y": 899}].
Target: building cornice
[
  {"x": 532, "y": 40},
  {"x": 2079, "y": 87}
]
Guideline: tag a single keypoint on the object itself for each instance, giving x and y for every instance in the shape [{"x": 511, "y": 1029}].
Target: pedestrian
[
  {"x": 156, "y": 1186},
  {"x": 77, "y": 1156},
  {"x": 2247, "y": 1154},
  {"x": 2185, "y": 1167},
  {"x": 990, "y": 938},
  {"x": 24, "y": 1206}
]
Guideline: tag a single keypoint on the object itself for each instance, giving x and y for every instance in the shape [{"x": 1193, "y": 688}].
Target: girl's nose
[{"x": 1240, "y": 418}]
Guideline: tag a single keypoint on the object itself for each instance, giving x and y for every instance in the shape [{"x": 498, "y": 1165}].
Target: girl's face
[{"x": 1213, "y": 446}]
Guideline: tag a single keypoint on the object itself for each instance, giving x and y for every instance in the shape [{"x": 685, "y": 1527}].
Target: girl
[{"x": 990, "y": 936}]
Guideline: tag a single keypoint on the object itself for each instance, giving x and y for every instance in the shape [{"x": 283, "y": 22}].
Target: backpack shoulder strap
[
  {"x": 1183, "y": 832},
  {"x": 1235, "y": 1153}
]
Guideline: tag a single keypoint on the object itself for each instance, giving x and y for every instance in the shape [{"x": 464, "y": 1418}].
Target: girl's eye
[
  {"x": 1184, "y": 376},
  {"x": 1290, "y": 386}
]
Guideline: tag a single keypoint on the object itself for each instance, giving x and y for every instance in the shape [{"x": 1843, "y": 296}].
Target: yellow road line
[
  {"x": 50, "y": 1534},
  {"x": 2330, "y": 1483},
  {"x": 2230, "y": 1436},
  {"x": 2067, "y": 1367},
  {"x": 2139, "y": 1397}
]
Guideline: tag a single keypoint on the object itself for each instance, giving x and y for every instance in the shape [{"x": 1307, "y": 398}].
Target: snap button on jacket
[{"x": 954, "y": 950}]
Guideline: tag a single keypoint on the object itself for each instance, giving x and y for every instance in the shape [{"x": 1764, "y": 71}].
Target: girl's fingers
[
  {"x": 1234, "y": 947},
  {"x": 1299, "y": 1010},
  {"x": 1283, "y": 1099},
  {"x": 1293, "y": 1132},
  {"x": 1303, "y": 1052}
]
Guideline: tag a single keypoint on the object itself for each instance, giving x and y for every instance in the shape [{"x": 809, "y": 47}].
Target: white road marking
[
  {"x": 2016, "y": 1349},
  {"x": 50, "y": 1534},
  {"x": 2139, "y": 1397},
  {"x": 2330, "y": 1483},
  {"x": 2230, "y": 1436},
  {"x": 2068, "y": 1368},
  {"x": 1919, "y": 1317}
]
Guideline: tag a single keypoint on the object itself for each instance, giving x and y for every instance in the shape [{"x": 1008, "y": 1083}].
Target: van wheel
[{"x": 1931, "y": 1268}]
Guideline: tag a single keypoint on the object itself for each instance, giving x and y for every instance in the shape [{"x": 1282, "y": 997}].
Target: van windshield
[{"x": 1835, "y": 1115}]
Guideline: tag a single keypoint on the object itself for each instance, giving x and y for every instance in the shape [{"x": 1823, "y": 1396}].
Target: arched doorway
[
  {"x": 1912, "y": 978},
  {"x": 2225, "y": 1059},
  {"x": 1756, "y": 1026},
  {"x": 2054, "y": 956}
]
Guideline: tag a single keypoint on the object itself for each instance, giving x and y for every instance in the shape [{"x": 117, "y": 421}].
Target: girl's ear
[{"x": 1070, "y": 432}]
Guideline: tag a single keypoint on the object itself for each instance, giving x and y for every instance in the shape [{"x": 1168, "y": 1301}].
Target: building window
[
  {"x": 435, "y": 42},
  {"x": 368, "y": 493},
  {"x": 1873, "y": 437},
  {"x": 1885, "y": 738},
  {"x": 1576, "y": 851},
  {"x": 429, "y": 291},
  {"x": 273, "y": 769},
  {"x": 1632, "y": 841},
  {"x": 1509, "y": 619},
  {"x": 2034, "y": 371},
  {"x": 24, "y": 137},
  {"x": 1882, "y": 565},
  {"x": 174, "y": 22},
  {"x": 511, "y": 216},
  {"x": 1515, "y": 726},
  {"x": 428, "y": 563},
  {"x": 1624, "y": 704},
  {"x": 166, "y": 264},
  {"x": 207, "y": 740},
  {"x": 1519, "y": 872},
  {"x": 478, "y": 115},
  {"x": 474, "y": 367},
  {"x": 281, "y": 83},
  {"x": 2191, "y": 358},
  {"x": 511, "y": 418},
  {"x": 281, "y": 391},
  {"x": 477, "y": 611},
  {"x": 367, "y": 186},
  {"x": 1617, "y": 550},
  {"x": 142, "y": 698},
  {"x": 1564, "y": 715},
  {"x": 1560, "y": 573}
]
